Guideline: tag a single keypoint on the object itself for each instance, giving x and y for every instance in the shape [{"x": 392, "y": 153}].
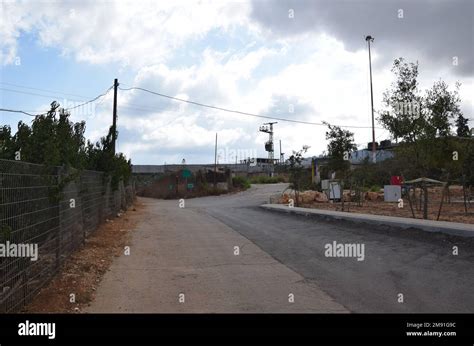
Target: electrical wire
[
  {"x": 51, "y": 96},
  {"x": 16, "y": 111},
  {"x": 66, "y": 109},
  {"x": 236, "y": 111},
  {"x": 135, "y": 107},
  {"x": 40, "y": 89},
  {"x": 90, "y": 101}
]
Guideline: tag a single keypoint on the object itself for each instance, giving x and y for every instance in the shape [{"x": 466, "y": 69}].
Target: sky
[{"x": 301, "y": 60}]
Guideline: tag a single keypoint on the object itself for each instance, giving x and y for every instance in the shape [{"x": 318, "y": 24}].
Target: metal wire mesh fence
[{"x": 45, "y": 214}]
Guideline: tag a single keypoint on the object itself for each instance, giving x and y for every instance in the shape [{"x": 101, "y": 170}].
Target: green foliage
[
  {"x": 296, "y": 168},
  {"x": 100, "y": 157},
  {"x": 240, "y": 182},
  {"x": 369, "y": 174},
  {"x": 442, "y": 106},
  {"x": 441, "y": 164},
  {"x": 7, "y": 144},
  {"x": 403, "y": 118},
  {"x": 424, "y": 124},
  {"x": 375, "y": 188},
  {"x": 462, "y": 127},
  {"x": 53, "y": 140},
  {"x": 467, "y": 167},
  {"x": 305, "y": 180},
  {"x": 341, "y": 144}
]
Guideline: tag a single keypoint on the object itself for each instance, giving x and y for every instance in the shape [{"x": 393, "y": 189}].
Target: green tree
[
  {"x": 403, "y": 118},
  {"x": 53, "y": 140},
  {"x": 442, "y": 107},
  {"x": 100, "y": 157},
  {"x": 341, "y": 144},
  {"x": 7, "y": 144},
  {"x": 296, "y": 170},
  {"x": 462, "y": 127},
  {"x": 423, "y": 123}
]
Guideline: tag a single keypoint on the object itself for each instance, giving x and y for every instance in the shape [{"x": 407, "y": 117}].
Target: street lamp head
[{"x": 369, "y": 38}]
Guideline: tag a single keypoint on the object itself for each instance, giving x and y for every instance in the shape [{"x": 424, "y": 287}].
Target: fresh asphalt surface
[{"x": 420, "y": 265}]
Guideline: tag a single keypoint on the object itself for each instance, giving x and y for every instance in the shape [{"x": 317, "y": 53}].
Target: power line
[
  {"x": 236, "y": 111},
  {"x": 57, "y": 97},
  {"x": 135, "y": 107},
  {"x": 94, "y": 99},
  {"x": 16, "y": 111},
  {"x": 34, "y": 94},
  {"x": 40, "y": 89},
  {"x": 66, "y": 109}
]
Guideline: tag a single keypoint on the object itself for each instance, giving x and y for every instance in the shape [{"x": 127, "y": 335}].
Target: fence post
[
  {"x": 80, "y": 196},
  {"x": 58, "y": 233}
]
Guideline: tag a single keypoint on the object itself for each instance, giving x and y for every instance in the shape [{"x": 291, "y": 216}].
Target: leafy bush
[
  {"x": 240, "y": 182},
  {"x": 374, "y": 188}
]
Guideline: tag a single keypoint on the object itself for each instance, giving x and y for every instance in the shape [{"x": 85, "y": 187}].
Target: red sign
[{"x": 396, "y": 180}]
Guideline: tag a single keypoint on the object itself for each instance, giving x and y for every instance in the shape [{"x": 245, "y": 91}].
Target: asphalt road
[
  {"x": 184, "y": 260},
  {"x": 419, "y": 265}
]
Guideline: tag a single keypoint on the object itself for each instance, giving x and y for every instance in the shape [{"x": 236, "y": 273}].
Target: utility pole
[
  {"x": 269, "y": 144},
  {"x": 215, "y": 164},
  {"x": 114, "y": 122},
  {"x": 371, "y": 39}
]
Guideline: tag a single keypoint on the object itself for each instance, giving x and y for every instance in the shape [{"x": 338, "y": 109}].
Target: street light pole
[{"x": 371, "y": 39}]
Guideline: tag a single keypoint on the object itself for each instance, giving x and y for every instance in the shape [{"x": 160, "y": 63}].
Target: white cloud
[
  {"x": 315, "y": 72},
  {"x": 122, "y": 31}
]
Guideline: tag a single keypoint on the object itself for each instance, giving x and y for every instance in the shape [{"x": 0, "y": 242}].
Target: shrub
[
  {"x": 240, "y": 182},
  {"x": 374, "y": 188}
]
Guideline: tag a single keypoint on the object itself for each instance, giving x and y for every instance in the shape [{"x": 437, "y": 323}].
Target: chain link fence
[{"x": 45, "y": 214}]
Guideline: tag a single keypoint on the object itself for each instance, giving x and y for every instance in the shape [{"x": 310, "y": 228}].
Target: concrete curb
[{"x": 453, "y": 228}]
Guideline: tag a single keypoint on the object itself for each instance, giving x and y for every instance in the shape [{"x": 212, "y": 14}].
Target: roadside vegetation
[
  {"x": 432, "y": 141},
  {"x": 240, "y": 182},
  {"x": 431, "y": 134},
  {"x": 53, "y": 140}
]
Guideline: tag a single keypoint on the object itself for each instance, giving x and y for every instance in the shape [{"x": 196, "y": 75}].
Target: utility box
[
  {"x": 334, "y": 190},
  {"x": 392, "y": 193},
  {"x": 331, "y": 188},
  {"x": 325, "y": 184}
]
